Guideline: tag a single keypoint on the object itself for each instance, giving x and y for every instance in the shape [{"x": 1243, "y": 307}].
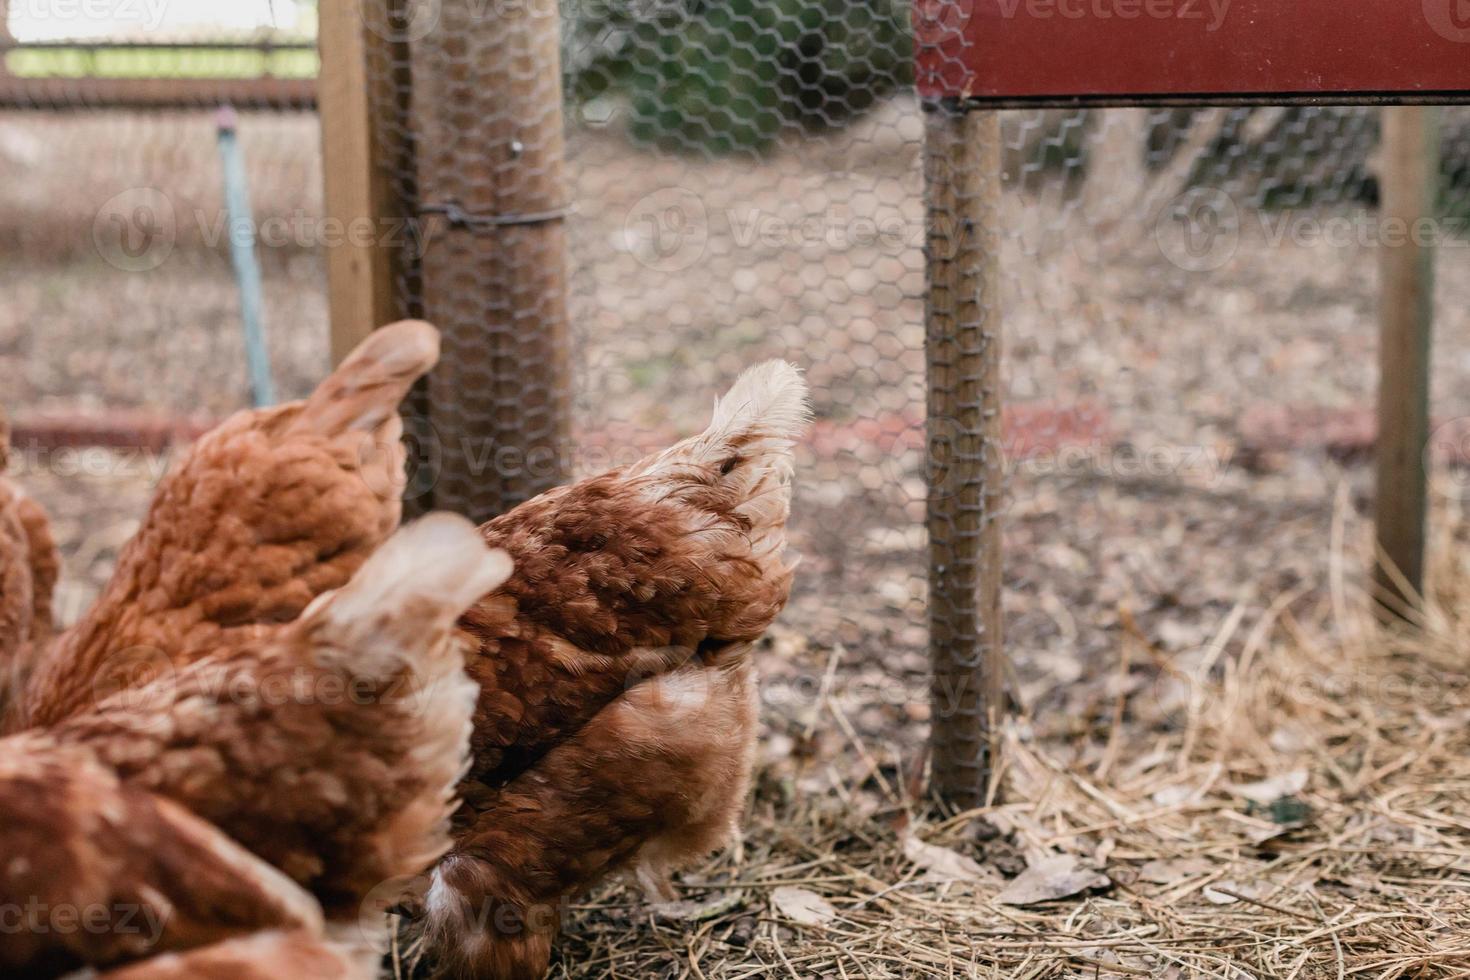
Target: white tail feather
[
  {"x": 411, "y": 591},
  {"x": 768, "y": 400},
  {"x": 366, "y": 388},
  {"x": 763, "y": 414}
]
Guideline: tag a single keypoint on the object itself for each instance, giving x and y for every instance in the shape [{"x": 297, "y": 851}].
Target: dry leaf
[
  {"x": 802, "y": 907},
  {"x": 1268, "y": 791},
  {"x": 698, "y": 911},
  {"x": 1215, "y": 897},
  {"x": 1051, "y": 879},
  {"x": 1262, "y": 836},
  {"x": 942, "y": 863},
  {"x": 1173, "y": 795},
  {"x": 1166, "y": 872}
]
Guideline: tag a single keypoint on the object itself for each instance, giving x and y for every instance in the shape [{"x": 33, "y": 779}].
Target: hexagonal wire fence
[
  {"x": 1184, "y": 297},
  {"x": 1188, "y": 313}
]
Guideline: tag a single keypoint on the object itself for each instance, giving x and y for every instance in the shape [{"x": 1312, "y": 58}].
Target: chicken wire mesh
[
  {"x": 474, "y": 146},
  {"x": 113, "y": 224},
  {"x": 1185, "y": 299}
]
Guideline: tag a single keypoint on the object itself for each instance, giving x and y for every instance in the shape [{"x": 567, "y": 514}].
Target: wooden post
[
  {"x": 488, "y": 101},
  {"x": 1410, "y": 188},
  {"x": 366, "y": 156},
  {"x": 962, "y": 157}
]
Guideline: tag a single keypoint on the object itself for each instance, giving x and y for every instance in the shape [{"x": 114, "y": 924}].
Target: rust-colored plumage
[
  {"x": 263, "y": 514},
  {"x": 656, "y": 779},
  {"x": 94, "y": 871},
  {"x": 616, "y": 718},
  {"x": 321, "y": 754},
  {"x": 29, "y": 566},
  {"x": 16, "y": 600},
  {"x": 45, "y": 562},
  {"x": 612, "y": 694},
  {"x": 299, "y": 955},
  {"x": 330, "y": 748}
]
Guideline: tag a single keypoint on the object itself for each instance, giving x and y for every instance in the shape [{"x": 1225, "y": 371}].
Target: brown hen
[
  {"x": 262, "y": 515},
  {"x": 617, "y": 711},
  {"x": 29, "y": 566},
  {"x": 330, "y": 748},
  {"x": 95, "y": 872},
  {"x": 657, "y": 779}
]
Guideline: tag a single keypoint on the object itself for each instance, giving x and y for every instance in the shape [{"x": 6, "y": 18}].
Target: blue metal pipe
[{"x": 241, "y": 225}]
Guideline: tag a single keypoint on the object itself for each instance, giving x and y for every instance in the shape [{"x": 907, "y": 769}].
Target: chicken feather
[
  {"x": 628, "y": 574},
  {"x": 656, "y": 778},
  {"x": 330, "y": 748},
  {"x": 262, "y": 515},
  {"x": 275, "y": 955},
  {"x": 102, "y": 872},
  {"x": 29, "y": 566}
]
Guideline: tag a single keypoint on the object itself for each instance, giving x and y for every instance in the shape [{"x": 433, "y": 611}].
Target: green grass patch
[{"x": 146, "y": 62}]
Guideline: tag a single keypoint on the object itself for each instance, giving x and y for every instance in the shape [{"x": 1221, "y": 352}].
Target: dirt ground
[{"x": 1154, "y": 543}]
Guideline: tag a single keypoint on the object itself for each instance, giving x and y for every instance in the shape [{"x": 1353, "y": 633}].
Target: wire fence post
[
  {"x": 488, "y": 112},
  {"x": 962, "y": 172},
  {"x": 1410, "y": 179}
]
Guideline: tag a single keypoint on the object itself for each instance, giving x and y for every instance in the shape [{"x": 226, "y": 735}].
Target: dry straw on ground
[{"x": 1295, "y": 804}]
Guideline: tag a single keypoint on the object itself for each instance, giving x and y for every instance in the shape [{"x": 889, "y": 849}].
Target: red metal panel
[{"x": 1140, "y": 49}]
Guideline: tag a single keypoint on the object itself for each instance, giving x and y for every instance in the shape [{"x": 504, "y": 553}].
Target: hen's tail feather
[
  {"x": 410, "y": 592},
  {"x": 368, "y": 386},
  {"x": 751, "y": 433},
  {"x": 768, "y": 401},
  {"x": 393, "y": 626},
  {"x": 45, "y": 561}
]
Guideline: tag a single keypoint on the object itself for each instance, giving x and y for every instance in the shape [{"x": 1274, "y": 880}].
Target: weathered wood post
[
  {"x": 1410, "y": 182},
  {"x": 962, "y": 172},
  {"x": 488, "y": 113},
  {"x": 365, "y": 150}
]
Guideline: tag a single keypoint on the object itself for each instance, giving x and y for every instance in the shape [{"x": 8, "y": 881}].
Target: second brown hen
[{"x": 617, "y": 715}]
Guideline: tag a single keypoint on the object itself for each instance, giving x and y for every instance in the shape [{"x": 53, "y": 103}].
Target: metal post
[
  {"x": 241, "y": 224},
  {"x": 1410, "y": 188},
  {"x": 962, "y": 168}
]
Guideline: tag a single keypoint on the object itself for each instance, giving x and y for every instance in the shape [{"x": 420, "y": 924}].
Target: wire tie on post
[{"x": 460, "y": 218}]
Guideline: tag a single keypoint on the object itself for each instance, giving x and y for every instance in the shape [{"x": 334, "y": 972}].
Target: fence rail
[
  {"x": 83, "y": 94},
  {"x": 96, "y": 89}
]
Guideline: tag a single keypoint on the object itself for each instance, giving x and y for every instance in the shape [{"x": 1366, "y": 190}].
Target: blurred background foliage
[{"x": 728, "y": 76}]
